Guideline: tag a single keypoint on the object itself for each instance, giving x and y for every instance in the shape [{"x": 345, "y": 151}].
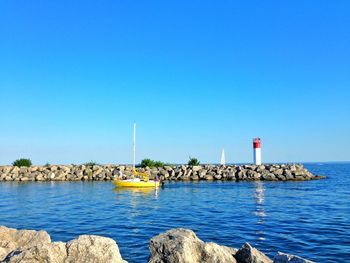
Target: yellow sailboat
[
  {"x": 141, "y": 180},
  {"x": 137, "y": 182}
]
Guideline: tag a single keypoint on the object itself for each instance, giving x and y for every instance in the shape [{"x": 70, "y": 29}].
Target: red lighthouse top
[{"x": 256, "y": 143}]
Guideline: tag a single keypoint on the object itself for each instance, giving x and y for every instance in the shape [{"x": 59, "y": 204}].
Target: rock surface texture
[
  {"x": 183, "y": 246},
  {"x": 36, "y": 246},
  {"x": 267, "y": 172}
]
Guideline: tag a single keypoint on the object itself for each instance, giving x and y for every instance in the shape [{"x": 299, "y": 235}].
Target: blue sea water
[{"x": 310, "y": 219}]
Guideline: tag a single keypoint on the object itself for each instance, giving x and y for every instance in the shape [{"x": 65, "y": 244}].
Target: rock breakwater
[
  {"x": 267, "y": 172},
  {"x": 174, "y": 246}
]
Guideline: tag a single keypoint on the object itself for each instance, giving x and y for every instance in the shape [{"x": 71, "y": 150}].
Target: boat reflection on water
[
  {"x": 259, "y": 197},
  {"x": 136, "y": 204},
  {"x": 146, "y": 191}
]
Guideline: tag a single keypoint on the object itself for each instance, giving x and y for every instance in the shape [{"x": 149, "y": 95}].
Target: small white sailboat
[
  {"x": 223, "y": 160},
  {"x": 141, "y": 179}
]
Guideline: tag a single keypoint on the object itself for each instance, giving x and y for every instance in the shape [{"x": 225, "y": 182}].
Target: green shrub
[
  {"x": 151, "y": 163},
  {"x": 193, "y": 161},
  {"x": 158, "y": 164},
  {"x": 22, "y": 162},
  {"x": 91, "y": 163},
  {"x": 147, "y": 163}
]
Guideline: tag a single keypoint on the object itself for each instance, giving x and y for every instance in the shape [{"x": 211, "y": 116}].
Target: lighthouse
[{"x": 257, "y": 151}]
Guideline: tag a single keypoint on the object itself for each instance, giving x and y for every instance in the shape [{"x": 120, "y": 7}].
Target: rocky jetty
[
  {"x": 174, "y": 246},
  {"x": 267, "y": 172}
]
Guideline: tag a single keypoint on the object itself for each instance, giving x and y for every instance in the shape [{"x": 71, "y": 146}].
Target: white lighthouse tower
[
  {"x": 257, "y": 151},
  {"x": 223, "y": 160}
]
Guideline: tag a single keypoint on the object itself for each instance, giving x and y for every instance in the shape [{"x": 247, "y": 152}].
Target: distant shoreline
[{"x": 177, "y": 164}]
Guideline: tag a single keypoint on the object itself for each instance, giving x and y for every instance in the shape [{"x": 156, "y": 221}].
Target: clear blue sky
[{"x": 196, "y": 76}]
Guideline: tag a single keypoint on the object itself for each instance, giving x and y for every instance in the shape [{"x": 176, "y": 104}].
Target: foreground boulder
[
  {"x": 36, "y": 246},
  {"x": 93, "y": 249},
  {"x": 12, "y": 239},
  {"x": 52, "y": 252},
  {"x": 183, "y": 246}
]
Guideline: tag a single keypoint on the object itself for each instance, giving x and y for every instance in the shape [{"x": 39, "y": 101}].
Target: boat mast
[{"x": 134, "y": 148}]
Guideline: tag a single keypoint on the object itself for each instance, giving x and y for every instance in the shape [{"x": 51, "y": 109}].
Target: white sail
[{"x": 223, "y": 161}]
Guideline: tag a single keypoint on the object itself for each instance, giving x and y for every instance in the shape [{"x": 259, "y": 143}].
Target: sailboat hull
[{"x": 139, "y": 184}]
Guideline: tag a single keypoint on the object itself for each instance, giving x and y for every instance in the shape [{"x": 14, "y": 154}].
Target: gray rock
[
  {"x": 24, "y": 170},
  {"x": 202, "y": 173},
  {"x": 278, "y": 171},
  {"x": 260, "y": 168},
  {"x": 217, "y": 177},
  {"x": 53, "y": 168},
  {"x": 51, "y": 176},
  {"x": 248, "y": 254},
  {"x": 165, "y": 173},
  {"x": 240, "y": 175},
  {"x": 51, "y": 253},
  {"x": 168, "y": 168},
  {"x": 194, "y": 178},
  {"x": 35, "y": 246},
  {"x": 252, "y": 175},
  {"x": 219, "y": 254},
  {"x": 231, "y": 176},
  {"x": 183, "y": 246},
  {"x": 281, "y": 177},
  {"x": 93, "y": 249},
  {"x": 287, "y": 173},
  {"x": 289, "y": 176},
  {"x": 6, "y": 169},
  {"x": 292, "y": 168},
  {"x": 197, "y": 168},
  {"x": 15, "y": 169},
  {"x": 298, "y": 173},
  {"x": 13, "y": 239},
  {"x": 272, "y": 169},
  {"x": 209, "y": 177},
  {"x": 34, "y": 168},
  {"x": 269, "y": 177},
  {"x": 286, "y": 258},
  {"x": 60, "y": 175}
]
